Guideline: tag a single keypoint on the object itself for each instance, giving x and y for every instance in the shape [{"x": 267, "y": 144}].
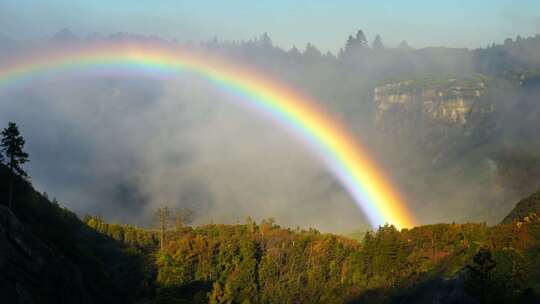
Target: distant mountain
[{"x": 524, "y": 208}]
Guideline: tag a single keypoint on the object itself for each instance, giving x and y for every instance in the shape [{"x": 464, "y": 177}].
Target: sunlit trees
[
  {"x": 265, "y": 263},
  {"x": 220, "y": 295}
]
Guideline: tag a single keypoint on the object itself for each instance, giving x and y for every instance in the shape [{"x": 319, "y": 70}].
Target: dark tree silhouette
[
  {"x": 377, "y": 43},
  {"x": 479, "y": 274},
  {"x": 354, "y": 46},
  {"x": 403, "y": 45},
  {"x": 12, "y": 145},
  {"x": 350, "y": 43},
  {"x": 361, "y": 39},
  {"x": 311, "y": 52}
]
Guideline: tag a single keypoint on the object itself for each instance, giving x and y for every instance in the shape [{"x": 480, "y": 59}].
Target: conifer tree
[
  {"x": 478, "y": 276},
  {"x": 11, "y": 146},
  {"x": 361, "y": 39},
  {"x": 377, "y": 43}
]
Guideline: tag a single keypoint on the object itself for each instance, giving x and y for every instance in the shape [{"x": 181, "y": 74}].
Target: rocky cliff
[
  {"x": 524, "y": 208},
  {"x": 435, "y": 113}
]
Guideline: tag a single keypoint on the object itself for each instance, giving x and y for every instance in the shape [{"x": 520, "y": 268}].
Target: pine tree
[
  {"x": 265, "y": 41},
  {"x": 361, "y": 39},
  {"x": 478, "y": 276},
  {"x": 377, "y": 43},
  {"x": 349, "y": 45},
  {"x": 312, "y": 52},
  {"x": 12, "y": 145},
  {"x": 354, "y": 46}
]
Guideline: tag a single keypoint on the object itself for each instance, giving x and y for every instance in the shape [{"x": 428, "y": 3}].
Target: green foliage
[
  {"x": 142, "y": 240},
  {"x": 268, "y": 264},
  {"x": 447, "y": 85},
  {"x": 264, "y": 263}
]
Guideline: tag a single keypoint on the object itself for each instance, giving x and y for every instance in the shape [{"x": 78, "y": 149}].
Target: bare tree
[
  {"x": 163, "y": 217},
  {"x": 182, "y": 217}
]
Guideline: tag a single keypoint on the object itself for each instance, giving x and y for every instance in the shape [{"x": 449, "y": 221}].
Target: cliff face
[
  {"x": 524, "y": 208},
  {"x": 433, "y": 113}
]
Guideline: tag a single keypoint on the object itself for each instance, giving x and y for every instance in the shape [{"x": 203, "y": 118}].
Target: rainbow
[{"x": 339, "y": 151}]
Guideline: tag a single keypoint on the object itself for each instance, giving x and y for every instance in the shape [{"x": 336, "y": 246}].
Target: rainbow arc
[{"x": 327, "y": 138}]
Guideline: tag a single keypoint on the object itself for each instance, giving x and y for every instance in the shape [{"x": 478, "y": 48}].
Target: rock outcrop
[
  {"x": 524, "y": 208},
  {"x": 33, "y": 272},
  {"x": 434, "y": 113}
]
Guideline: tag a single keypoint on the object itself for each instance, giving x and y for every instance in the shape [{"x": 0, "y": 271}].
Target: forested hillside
[
  {"x": 266, "y": 263},
  {"x": 62, "y": 260}
]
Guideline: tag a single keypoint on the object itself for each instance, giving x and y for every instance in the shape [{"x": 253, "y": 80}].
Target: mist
[{"x": 123, "y": 146}]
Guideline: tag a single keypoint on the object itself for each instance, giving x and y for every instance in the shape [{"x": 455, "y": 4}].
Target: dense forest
[{"x": 266, "y": 263}]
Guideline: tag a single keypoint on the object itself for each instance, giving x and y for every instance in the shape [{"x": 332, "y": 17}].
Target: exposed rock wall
[
  {"x": 524, "y": 208},
  {"x": 433, "y": 113}
]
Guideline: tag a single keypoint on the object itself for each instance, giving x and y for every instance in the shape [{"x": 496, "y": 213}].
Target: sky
[{"x": 454, "y": 23}]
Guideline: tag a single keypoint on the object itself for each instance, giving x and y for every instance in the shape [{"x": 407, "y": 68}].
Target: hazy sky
[{"x": 459, "y": 23}]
